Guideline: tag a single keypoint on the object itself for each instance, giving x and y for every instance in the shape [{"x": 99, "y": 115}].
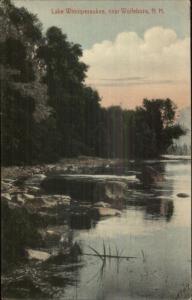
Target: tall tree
[
  {"x": 72, "y": 101},
  {"x": 22, "y": 97}
]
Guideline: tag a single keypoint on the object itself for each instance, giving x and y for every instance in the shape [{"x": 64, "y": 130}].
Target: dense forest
[{"x": 47, "y": 110}]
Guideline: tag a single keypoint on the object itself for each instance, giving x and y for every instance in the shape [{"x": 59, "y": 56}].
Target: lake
[{"x": 154, "y": 229}]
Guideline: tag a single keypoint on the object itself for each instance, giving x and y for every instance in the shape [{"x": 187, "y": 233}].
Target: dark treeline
[
  {"x": 179, "y": 149},
  {"x": 47, "y": 110}
]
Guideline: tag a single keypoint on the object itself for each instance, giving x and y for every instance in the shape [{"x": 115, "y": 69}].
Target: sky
[{"x": 130, "y": 56}]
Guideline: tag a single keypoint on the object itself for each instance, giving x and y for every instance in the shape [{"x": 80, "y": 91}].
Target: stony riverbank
[
  {"x": 46, "y": 209},
  {"x": 37, "y": 201},
  {"x": 68, "y": 165},
  {"x": 34, "y": 217}
]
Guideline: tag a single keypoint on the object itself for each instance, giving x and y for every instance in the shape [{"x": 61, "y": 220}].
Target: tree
[
  {"x": 160, "y": 117},
  {"x": 21, "y": 93},
  {"x": 48, "y": 112},
  {"x": 75, "y": 104},
  {"x": 146, "y": 132}
]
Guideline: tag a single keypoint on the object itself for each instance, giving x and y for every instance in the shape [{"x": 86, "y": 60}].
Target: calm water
[{"x": 156, "y": 228}]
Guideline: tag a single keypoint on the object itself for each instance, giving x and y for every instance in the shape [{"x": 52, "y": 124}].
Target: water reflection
[
  {"x": 154, "y": 207},
  {"x": 154, "y": 199},
  {"x": 159, "y": 208},
  {"x": 151, "y": 228}
]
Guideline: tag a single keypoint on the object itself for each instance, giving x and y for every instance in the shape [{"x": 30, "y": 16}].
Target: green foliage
[
  {"x": 65, "y": 73},
  {"x": 145, "y": 132},
  {"x": 76, "y": 106},
  {"x": 18, "y": 232},
  {"x": 47, "y": 110},
  {"x": 13, "y": 55},
  {"x": 17, "y": 122}
]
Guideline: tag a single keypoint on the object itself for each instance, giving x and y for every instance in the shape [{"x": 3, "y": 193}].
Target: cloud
[{"x": 159, "y": 57}]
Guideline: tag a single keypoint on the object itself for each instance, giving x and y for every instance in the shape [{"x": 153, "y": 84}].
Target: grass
[{"x": 108, "y": 254}]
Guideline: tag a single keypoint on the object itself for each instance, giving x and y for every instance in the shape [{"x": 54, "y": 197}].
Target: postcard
[{"x": 96, "y": 149}]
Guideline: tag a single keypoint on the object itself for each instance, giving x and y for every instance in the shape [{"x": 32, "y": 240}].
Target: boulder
[
  {"x": 5, "y": 186},
  {"x": 34, "y": 189},
  {"x": 9, "y": 180},
  {"x": 76, "y": 188},
  {"x": 101, "y": 204},
  {"x": 86, "y": 187},
  {"x": 51, "y": 234},
  {"x": 28, "y": 196},
  {"x": 111, "y": 192},
  {"x": 35, "y": 203},
  {"x": 6, "y": 196},
  {"x": 37, "y": 255},
  {"x": 19, "y": 198},
  {"x": 47, "y": 203},
  {"x": 54, "y": 234},
  {"x": 100, "y": 212},
  {"x": 182, "y": 195},
  {"x": 60, "y": 199},
  {"x": 34, "y": 180}
]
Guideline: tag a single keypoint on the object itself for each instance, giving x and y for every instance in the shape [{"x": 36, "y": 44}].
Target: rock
[
  {"x": 35, "y": 180},
  {"x": 28, "y": 196},
  {"x": 101, "y": 204},
  {"x": 9, "y": 180},
  {"x": 34, "y": 189},
  {"x": 110, "y": 191},
  {"x": 76, "y": 188},
  {"x": 6, "y": 196},
  {"x": 21, "y": 180},
  {"x": 87, "y": 187},
  {"x": 104, "y": 212},
  {"x": 53, "y": 234},
  {"x": 182, "y": 195},
  {"x": 36, "y": 202},
  {"x": 60, "y": 199},
  {"x": 37, "y": 255},
  {"x": 50, "y": 232},
  {"x": 68, "y": 254},
  {"x": 19, "y": 198},
  {"x": 5, "y": 186},
  {"x": 149, "y": 175}
]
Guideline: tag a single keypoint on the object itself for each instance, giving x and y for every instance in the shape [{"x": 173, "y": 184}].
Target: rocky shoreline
[
  {"x": 33, "y": 218},
  {"x": 43, "y": 204},
  {"x": 68, "y": 165}
]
